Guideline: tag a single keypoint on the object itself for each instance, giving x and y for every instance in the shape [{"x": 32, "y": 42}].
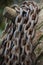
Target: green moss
[
  {"x": 39, "y": 49},
  {"x": 40, "y": 25},
  {"x": 38, "y": 42}
]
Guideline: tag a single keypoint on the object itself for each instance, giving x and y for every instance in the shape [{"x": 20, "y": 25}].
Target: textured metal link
[{"x": 17, "y": 45}]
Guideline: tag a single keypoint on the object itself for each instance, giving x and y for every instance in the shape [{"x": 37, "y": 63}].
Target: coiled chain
[{"x": 17, "y": 43}]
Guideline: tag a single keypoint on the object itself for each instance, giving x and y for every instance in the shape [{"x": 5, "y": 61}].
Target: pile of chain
[{"x": 17, "y": 42}]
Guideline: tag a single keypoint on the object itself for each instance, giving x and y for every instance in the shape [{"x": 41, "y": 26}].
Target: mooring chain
[
  {"x": 17, "y": 43},
  {"x": 28, "y": 27}
]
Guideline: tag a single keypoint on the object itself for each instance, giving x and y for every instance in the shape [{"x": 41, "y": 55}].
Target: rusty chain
[{"x": 17, "y": 44}]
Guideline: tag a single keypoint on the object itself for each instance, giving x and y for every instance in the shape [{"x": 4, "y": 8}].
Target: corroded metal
[{"x": 17, "y": 48}]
